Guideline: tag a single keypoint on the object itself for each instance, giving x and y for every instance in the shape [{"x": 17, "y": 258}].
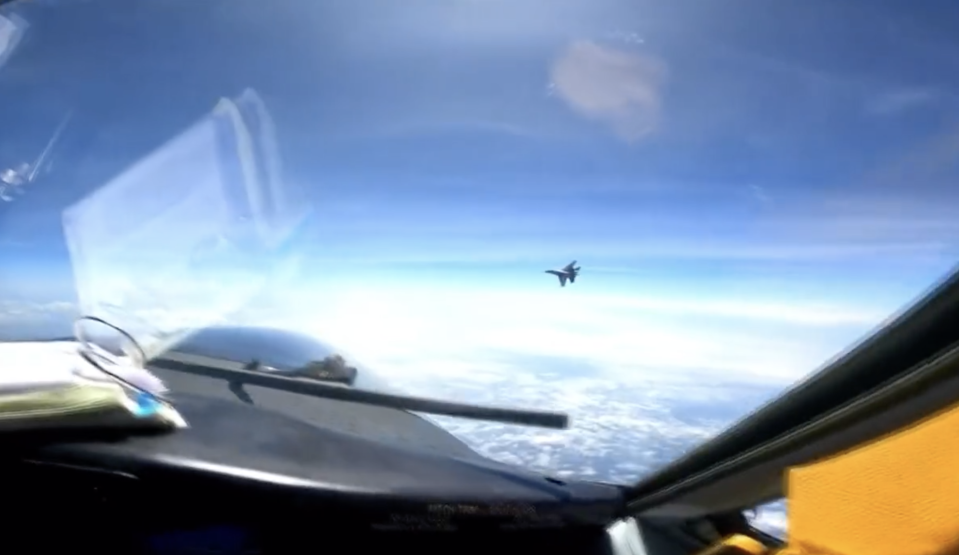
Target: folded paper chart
[{"x": 49, "y": 386}]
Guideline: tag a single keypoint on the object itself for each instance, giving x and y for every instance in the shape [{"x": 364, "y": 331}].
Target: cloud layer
[
  {"x": 644, "y": 376},
  {"x": 618, "y": 88}
]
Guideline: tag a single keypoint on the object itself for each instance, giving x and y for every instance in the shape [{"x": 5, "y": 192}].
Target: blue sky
[{"x": 749, "y": 186}]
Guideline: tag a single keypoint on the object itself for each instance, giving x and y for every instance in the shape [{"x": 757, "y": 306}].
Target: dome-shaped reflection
[{"x": 272, "y": 350}]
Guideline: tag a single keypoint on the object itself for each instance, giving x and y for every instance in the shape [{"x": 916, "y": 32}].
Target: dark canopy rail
[
  {"x": 927, "y": 329},
  {"x": 234, "y": 373}
]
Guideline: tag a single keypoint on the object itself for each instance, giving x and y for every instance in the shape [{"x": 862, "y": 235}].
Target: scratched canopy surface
[{"x": 206, "y": 209}]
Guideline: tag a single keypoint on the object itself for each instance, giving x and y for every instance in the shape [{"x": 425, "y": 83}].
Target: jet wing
[
  {"x": 563, "y": 276},
  {"x": 569, "y": 267}
]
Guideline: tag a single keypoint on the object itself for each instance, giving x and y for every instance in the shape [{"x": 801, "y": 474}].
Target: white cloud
[
  {"x": 24, "y": 320},
  {"x": 439, "y": 249},
  {"x": 15, "y": 310},
  {"x": 896, "y": 101},
  {"x": 875, "y": 220},
  {"x": 618, "y": 88},
  {"x": 462, "y": 333},
  {"x": 644, "y": 377},
  {"x": 811, "y": 313}
]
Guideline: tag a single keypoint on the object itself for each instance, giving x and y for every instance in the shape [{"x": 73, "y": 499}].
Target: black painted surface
[
  {"x": 253, "y": 452},
  {"x": 376, "y": 423}
]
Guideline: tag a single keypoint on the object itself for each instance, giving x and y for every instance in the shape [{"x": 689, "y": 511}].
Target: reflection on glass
[
  {"x": 153, "y": 248},
  {"x": 12, "y": 28},
  {"x": 331, "y": 368},
  {"x": 770, "y": 518}
]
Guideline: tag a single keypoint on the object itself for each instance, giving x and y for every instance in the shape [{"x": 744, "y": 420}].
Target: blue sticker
[{"x": 146, "y": 405}]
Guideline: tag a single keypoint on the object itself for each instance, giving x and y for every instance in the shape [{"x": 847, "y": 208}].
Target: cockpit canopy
[{"x": 269, "y": 350}]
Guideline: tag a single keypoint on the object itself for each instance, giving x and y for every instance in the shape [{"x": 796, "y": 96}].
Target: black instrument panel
[
  {"x": 244, "y": 480},
  {"x": 117, "y": 512}
]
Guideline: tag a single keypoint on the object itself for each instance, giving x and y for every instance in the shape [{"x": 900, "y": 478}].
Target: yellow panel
[
  {"x": 898, "y": 495},
  {"x": 737, "y": 544}
]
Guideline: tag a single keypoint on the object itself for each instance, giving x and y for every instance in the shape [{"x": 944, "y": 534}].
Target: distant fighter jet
[
  {"x": 13, "y": 181},
  {"x": 569, "y": 272}
]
